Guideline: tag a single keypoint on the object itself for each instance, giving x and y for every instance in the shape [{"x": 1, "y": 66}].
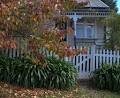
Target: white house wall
[{"x": 100, "y": 34}]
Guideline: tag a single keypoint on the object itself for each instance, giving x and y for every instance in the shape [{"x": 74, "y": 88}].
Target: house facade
[{"x": 89, "y": 30}]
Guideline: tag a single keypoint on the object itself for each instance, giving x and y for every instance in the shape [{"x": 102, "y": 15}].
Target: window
[
  {"x": 85, "y": 31},
  {"x": 89, "y": 31},
  {"x": 80, "y": 30}
]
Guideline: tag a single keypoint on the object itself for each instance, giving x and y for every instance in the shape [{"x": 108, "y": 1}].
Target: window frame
[{"x": 85, "y": 30}]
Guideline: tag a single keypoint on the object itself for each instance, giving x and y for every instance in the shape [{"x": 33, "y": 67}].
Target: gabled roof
[{"x": 94, "y": 3}]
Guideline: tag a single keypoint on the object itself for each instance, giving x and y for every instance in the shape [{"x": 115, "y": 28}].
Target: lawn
[{"x": 8, "y": 91}]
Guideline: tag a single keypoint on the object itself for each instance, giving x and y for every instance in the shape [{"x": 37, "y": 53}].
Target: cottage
[{"x": 88, "y": 30}]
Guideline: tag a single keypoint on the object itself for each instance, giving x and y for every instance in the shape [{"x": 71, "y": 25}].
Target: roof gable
[{"x": 94, "y": 3}]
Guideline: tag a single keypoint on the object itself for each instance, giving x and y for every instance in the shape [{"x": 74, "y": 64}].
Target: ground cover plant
[
  {"x": 107, "y": 77},
  {"x": 23, "y": 72}
]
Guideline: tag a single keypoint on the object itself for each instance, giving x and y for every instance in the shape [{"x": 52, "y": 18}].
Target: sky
[{"x": 118, "y": 4}]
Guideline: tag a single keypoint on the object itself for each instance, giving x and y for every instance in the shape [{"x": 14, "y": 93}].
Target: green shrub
[
  {"x": 107, "y": 77},
  {"x": 63, "y": 75},
  {"x": 22, "y": 72}
]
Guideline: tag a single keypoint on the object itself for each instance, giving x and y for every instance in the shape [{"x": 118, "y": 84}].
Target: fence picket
[
  {"x": 80, "y": 65},
  {"x": 17, "y": 54},
  {"x": 14, "y": 52},
  {"x": 100, "y": 62},
  {"x": 118, "y": 57},
  {"x": 103, "y": 56},
  {"x": 97, "y": 58},
  {"x": 111, "y": 56},
  {"x": 88, "y": 63},
  {"x": 84, "y": 63},
  {"x": 114, "y": 57},
  {"x": 107, "y": 56}
]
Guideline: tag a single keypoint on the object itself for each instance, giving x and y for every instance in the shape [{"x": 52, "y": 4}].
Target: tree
[
  {"x": 36, "y": 19},
  {"x": 113, "y": 33},
  {"x": 112, "y": 4}
]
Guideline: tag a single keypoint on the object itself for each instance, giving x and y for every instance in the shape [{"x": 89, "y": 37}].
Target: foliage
[
  {"x": 7, "y": 42},
  {"x": 113, "y": 41},
  {"x": 23, "y": 72},
  {"x": 36, "y": 19},
  {"x": 64, "y": 74},
  {"x": 112, "y": 4},
  {"x": 107, "y": 77}
]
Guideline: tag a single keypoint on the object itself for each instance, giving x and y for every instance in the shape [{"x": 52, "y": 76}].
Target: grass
[{"x": 8, "y": 91}]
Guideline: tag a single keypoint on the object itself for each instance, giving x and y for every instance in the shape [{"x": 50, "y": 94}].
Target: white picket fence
[{"x": 85, "y": 63}]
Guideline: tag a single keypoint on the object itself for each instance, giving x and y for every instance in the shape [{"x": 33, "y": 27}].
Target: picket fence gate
[
  {"x": 94, "y": 59},
  {"x": 84, "y": 63}
]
